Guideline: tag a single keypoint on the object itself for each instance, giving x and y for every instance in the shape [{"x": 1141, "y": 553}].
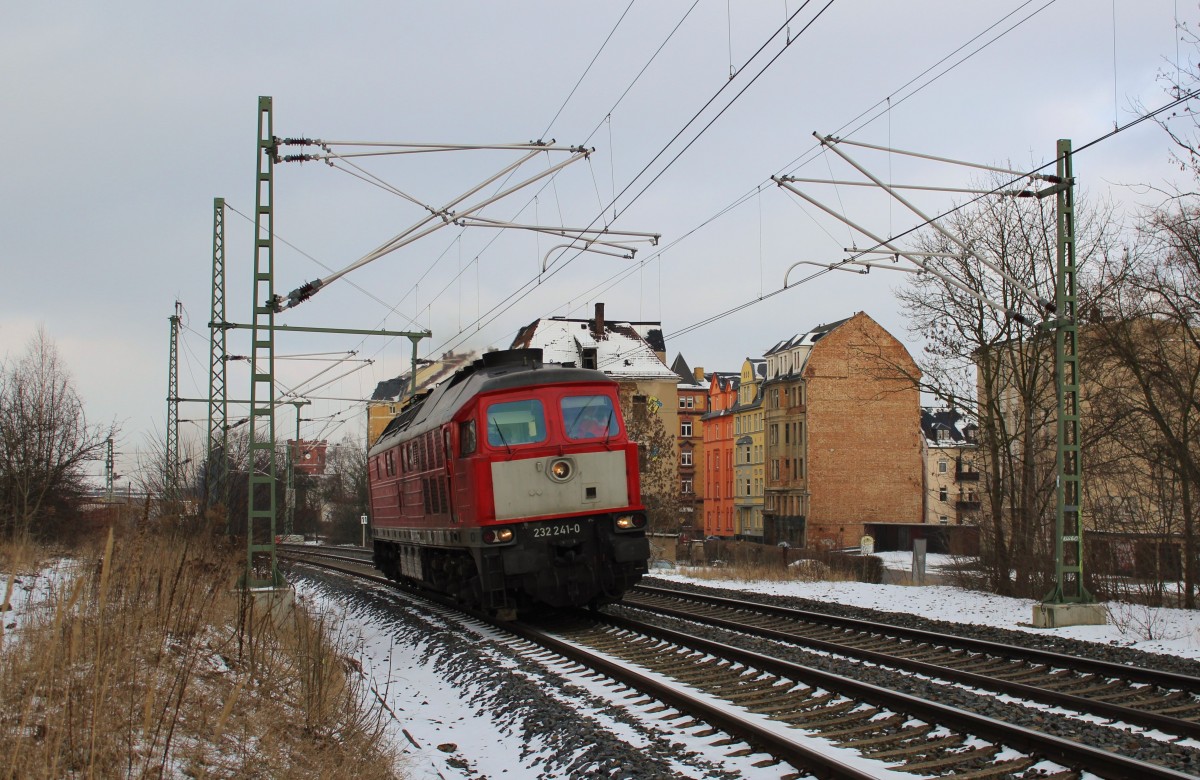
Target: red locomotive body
[{"x": 511, "y": 484}]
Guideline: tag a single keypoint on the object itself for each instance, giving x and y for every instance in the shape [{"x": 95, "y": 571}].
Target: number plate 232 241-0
[{"x": 558, "y": 531}]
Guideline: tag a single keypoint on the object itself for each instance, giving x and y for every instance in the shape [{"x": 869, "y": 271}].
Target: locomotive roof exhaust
[{"x": 531, "y": 357}]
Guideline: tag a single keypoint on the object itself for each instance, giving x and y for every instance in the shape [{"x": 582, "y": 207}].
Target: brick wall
[{"x": 864, "y": 436}]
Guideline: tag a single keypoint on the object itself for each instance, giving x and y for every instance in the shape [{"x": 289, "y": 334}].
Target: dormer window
[
  {"x": 943, "y": 434},
  {"x": 589, "y": 357}
]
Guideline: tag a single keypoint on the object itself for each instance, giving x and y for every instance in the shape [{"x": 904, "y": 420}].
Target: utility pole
[
  {"x": 217, "y": 458},
  {"x": 108, "y": 471},
  {"x": 171, "y": 456},
  {"x": 290, "y": 514}
]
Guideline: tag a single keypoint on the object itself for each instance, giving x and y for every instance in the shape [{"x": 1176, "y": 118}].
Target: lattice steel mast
[
  {"x": 261, "y": 564},
  {"x": 171, "y": 455},
  {"x": 217, "y": 458},
  {"x": 1068, "y": 528}
]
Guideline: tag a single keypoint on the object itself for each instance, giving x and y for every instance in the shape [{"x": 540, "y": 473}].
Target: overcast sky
[{"x": 123, "y": 121}]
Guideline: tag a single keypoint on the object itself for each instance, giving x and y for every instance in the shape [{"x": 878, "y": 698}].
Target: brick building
[{"x": 843, "y": 436}]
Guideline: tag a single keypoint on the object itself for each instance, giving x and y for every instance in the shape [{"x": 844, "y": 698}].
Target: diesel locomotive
[{"x": 509, "y": 486}]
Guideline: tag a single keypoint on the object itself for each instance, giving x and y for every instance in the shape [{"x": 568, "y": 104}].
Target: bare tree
[
  {"x": 1144, "y": 334},
  {"x": 658, "y": 463},
  {"x": 978, "y": 358},
  {"x": 343, "y": 489},
  {"x": 45, "y": 442}
]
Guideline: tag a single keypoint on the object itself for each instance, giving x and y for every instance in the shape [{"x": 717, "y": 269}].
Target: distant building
[
  {"x": 308, "y": 457},
  {"x": 748, "y": 451},
  {"x": 718, "y": 454},
  {"x": 952, "y": 484},
  {"x": 390, "y": 395},
  {"x": 693, "y": 403},
  {"x": 843, "y": 438}
]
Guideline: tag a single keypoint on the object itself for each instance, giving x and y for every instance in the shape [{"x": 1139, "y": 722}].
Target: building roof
[
  {"x": 944, "y": 427},
  {"x": 621, "y": 350},
  {"x": 687, "y": 377},
  {"x": 428, "y": 375},
  {"x": 805, "y": 339}
]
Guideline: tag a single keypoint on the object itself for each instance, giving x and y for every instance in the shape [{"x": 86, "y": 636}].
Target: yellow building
[
  {"x": 391, "y": 396},
  {"x": 748, "y": 466}
]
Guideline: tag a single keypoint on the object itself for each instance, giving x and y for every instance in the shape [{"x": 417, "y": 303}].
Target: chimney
[
  {"x": 598, "y": 323},
  {"x": 698, "y": 373}
]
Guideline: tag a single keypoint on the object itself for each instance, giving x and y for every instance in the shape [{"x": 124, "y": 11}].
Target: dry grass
[{"x": 144, "y": 660}]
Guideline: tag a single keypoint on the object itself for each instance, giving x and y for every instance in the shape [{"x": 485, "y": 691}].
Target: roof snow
[{"x": 622, "y": 352}]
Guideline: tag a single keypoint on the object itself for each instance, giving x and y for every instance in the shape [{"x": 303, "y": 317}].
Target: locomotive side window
[
  {"x": 466, "y": 438},
  {"x": 589, "y": 417},
  {"x": 516, "y": 422}
]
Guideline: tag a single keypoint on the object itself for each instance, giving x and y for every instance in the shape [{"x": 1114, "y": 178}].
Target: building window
[
  {"x": 691, "y": 402},
  {"x": 686, "y": 486},
  {"x": 942, "y": 466},
  {"x": 685, "y": 428},
  {"x": 589, "y": 357},
  {"x": 943, "y": 494},
  {"x": 943, "y": 434},
  {"x": 775, "y": 469},
  {"x": 773, "y": 434},
  {"x": 944, "y": 520},
  {"x": 685, "y": 458}
]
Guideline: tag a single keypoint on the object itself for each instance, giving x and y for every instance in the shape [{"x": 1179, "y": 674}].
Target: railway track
[
  {"x": 1147, "y": 698},
  {"x": 822, "y": 724}
]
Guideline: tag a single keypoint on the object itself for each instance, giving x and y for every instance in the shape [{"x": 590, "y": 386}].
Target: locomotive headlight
[
  {"x": 497, "y": 535},
  {"x": 561, "y": 470},
  {"x": 630, "y": 522}
]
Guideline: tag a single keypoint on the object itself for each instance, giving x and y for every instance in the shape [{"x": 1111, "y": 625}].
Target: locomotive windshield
[
  {"x": 516, "y": 422},
  {"x": 589, "y": 417}
]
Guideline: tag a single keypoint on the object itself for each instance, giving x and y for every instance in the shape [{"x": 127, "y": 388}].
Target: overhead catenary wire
[
  {"x": 746, "y": 304},
  {"x": 521, "y": 292},
  {"x": 799, "y": 162},
  {"x": 588, "y": 69}
]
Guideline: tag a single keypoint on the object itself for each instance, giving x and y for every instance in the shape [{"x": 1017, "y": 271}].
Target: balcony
[{"x": 966, "y": 476}]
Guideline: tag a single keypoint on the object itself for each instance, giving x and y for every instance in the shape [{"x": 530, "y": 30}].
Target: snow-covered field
[{"x": 1169, "y": 631}]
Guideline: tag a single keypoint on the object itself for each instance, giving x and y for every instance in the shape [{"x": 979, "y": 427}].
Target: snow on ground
[
  {"x": 21, "y": 594},
  {"x": 1155, "y": 630},
  {"x": 444, "y": 734}
]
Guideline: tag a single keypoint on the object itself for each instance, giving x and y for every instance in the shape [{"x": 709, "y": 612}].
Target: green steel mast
[
  {"x": 261, "y": 564},
  {"x": 171, "y": 456},
  {"x": 217, "y": 457},
  {"x": 1068, "y": 526},
  {"x": 108, "y": 470}
]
